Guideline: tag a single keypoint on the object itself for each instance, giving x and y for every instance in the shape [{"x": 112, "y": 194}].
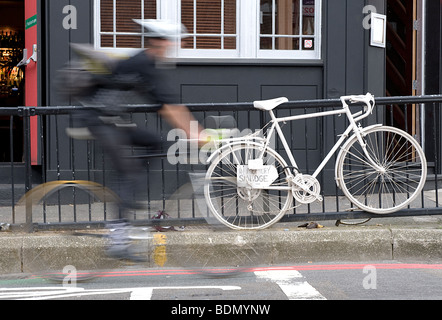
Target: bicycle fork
[{"x": 358, "y": 131}]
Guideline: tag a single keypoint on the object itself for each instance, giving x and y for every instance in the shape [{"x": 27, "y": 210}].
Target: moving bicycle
[{"x": 106, "y": 87}]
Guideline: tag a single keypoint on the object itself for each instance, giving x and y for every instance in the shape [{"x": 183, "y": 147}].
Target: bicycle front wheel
[
  {"x": 245, "y": 206},
  {"x": 399, "y": 178}
]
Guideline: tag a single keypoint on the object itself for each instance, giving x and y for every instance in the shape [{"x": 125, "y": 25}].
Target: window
[
  {"x": 116, "y": 28},
  {"x": 211, "y": 24},
  {"x": 287, "y": 25},
  {"x": 244, "y": 29},
  {"x": 212, "y": 27}
]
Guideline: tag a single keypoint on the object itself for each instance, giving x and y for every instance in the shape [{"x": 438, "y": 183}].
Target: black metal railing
[{"x": 60, "y": 158}]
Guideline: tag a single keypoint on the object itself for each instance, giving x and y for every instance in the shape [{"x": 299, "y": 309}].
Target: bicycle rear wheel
[
  {"x": 246, "y": 207},
  {"x": 403, "y": 174},
  {"x": 57, "y": 200}
]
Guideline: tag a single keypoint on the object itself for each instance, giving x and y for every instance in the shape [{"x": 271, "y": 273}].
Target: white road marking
[
  {"x": 46, "y": 293},
  {"x": 292, "y": 283},
  {"x": 146, "y": 293}
]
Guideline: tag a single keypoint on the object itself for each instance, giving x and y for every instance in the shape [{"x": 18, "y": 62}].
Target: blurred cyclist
[{"x": 115, "y": 134}]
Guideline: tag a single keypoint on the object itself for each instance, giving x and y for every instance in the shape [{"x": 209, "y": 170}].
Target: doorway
[
  {"x": 404, "y": 33},
  {"x": 11, "y": 78}
]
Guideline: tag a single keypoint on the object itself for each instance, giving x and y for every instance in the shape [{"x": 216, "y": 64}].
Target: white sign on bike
[{"x": 258, "y": 179}]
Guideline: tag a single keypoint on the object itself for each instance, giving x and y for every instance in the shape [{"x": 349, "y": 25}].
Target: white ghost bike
[{"x": 248, "y": 185}]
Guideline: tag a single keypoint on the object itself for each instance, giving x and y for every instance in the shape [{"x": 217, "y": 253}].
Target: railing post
[{"x": 26, "y": 111}]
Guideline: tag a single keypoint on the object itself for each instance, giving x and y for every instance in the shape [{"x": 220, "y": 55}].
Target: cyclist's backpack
[{"x": 92, "y": 68}]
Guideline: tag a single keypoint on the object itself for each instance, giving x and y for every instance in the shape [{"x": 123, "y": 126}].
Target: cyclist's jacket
[{"x": 147, "y": 78}]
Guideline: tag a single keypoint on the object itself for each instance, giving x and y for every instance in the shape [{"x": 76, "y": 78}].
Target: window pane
[
  {"x": 208, "y": 43},
  {"x": 107, "y": 15},
  {"x": 308, "y": 17},
  {"x": 287, "y": 17},
  {"x": 126, "y": 11},
  {"x": 150, "y": 9},
  {"x": 208, "y": 16},
  {"x": 230, "y": 16},
  {"x": 124, "y": 41},
  {"x": 266, "y": 43},
  {"x": 287, "y": 44},
  {"x": 266, "y": 17},
  {"x": 208, "y": 23},
  {"x": 187, "y": 14},
  {"x": 230, "y": 43},
  {"x": 107, "y": 41}
]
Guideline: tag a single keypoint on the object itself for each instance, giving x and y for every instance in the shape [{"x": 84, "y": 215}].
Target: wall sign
[
  {"x": 30, "y": 22},
  {"x": 378, "y": 30}
]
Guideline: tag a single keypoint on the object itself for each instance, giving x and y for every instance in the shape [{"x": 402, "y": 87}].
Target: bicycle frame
[{"x": 353, "y": 126}]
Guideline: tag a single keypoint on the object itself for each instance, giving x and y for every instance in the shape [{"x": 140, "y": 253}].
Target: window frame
[
  {"x": 247, "y": 36},
  {"x": 294, "y": 54}
]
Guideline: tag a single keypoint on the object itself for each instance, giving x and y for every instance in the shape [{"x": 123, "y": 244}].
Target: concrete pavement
[{"x": 411, "y": 238}]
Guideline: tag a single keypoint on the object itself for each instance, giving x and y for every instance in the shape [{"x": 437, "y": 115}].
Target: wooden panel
[{"x": 204, "y": 93}]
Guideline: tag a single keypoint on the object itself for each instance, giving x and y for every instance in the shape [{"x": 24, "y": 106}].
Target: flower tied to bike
[{"x": 163, "y": 215}]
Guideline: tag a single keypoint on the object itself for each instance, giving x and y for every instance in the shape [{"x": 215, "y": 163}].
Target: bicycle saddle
[{"x": 268, "y": 105}]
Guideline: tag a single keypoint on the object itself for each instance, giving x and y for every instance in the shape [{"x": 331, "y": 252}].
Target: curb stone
[{"x": 44, "y": 251}]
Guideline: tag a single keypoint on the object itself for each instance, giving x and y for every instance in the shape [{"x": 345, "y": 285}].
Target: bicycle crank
[{"x": 306, "y": 189}]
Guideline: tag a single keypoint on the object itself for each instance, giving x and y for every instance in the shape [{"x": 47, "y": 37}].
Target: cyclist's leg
[
  {"x": 132, "y": 174},
  {"x": 114, "y": 144},
  {"x": 131, "y": 181},
  {"x": 144, "y": 138}
]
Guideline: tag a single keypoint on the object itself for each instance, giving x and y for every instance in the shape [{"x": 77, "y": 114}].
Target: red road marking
[
  {"x": 312, "y": 267},
  {"x": 355, "y": 266}
]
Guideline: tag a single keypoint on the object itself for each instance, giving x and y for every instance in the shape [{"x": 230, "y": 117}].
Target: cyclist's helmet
[{"x": 162, "y": 29}]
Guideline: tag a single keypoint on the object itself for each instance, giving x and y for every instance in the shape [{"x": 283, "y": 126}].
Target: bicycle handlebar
[{"x": 367, "y": 99}]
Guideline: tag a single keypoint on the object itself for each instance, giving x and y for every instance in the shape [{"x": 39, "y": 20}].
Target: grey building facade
[{"x": 335, "y": 59}]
